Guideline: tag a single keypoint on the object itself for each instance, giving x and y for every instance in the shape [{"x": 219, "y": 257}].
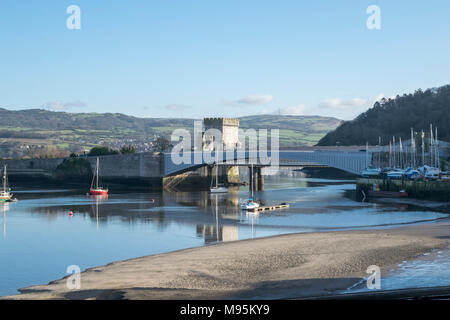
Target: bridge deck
[{"x": 351, "y": 161}]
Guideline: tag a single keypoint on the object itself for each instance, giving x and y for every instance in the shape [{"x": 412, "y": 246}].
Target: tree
[
  {"x": 161, "y": 144},
  {"x": 395, "y": 117},
  {"x": 128, "y": 149},
  {"x": 101, "y": 151}
]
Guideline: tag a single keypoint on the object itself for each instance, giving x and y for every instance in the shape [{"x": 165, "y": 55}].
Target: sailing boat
[
  {"x": 5, "y": 195},
  {"x": 250, "y": 204},
  {"x": 216, "y": 188},
  {"x": 97, "y": 190}
]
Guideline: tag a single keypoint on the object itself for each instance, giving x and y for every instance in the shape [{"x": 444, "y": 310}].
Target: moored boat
[
  {"x": 217, "y": 188},
  {"x": 5, "y": 195},
  {"x": 97, "y": 190},
  {"x": 249, "y": 204},
  {"x": 371, "y": 172}
]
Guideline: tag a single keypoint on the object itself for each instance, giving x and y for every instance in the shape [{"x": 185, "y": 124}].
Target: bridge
[{"x": 347, "y": 160}]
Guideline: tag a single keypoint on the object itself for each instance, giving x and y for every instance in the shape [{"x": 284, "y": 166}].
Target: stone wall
[{"x": 132, "y": 170}]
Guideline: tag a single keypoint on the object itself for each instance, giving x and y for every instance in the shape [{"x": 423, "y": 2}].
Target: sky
[{"x": 204, "y": 58}]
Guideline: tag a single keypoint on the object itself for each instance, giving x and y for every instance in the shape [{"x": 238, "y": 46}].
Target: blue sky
[{"x": 181, "y": 58}]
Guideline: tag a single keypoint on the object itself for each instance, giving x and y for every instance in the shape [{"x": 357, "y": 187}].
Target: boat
[
  {"x": 249, "y": 204},
  {"x": 412, "y": 174},
  {"x": 395, "y": 174},
  {"x": 388, "y": 194},
  {"x": 97, "y": 190},
  {"x": 5, "y": 195},
  {"x": 371, "y": 172},
  {"x": 216, "y": 188}
]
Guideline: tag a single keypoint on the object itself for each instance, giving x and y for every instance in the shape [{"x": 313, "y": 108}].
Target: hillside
[
  {"x": 395, "y": 117},
  {"x": 27, "y": 131}
]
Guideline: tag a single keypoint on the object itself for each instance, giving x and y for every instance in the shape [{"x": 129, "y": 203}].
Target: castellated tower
[
  {"x": 230, "y": 138},
  {"x": 230, "y": 132}
]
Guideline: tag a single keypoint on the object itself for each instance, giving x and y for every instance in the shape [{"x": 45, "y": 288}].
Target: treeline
[
  {"x": 21, "y": 135},
  {"x": 50, "y": 120},
  {"x": 395, "y": 117}
]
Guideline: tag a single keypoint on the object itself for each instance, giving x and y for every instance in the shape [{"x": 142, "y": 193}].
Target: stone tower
[
  {"x": 229, "y": 128},
  {"x": 230, "y": 137}
]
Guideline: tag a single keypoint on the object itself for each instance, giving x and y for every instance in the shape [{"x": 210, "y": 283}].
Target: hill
[
  {"x": 25, "y": 132},
  {"x": 395, "y": 117}
]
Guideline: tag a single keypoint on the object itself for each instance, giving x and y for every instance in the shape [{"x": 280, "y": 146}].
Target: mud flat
[{"x": 286, "y": 266}]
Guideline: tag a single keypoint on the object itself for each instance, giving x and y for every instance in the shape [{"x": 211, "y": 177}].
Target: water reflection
[{"x": 3, "y": 208}]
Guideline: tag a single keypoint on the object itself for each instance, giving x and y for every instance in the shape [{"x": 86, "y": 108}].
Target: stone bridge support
[{"x": 255, "y": 178}]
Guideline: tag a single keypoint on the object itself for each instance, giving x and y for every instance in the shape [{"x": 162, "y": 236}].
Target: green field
[{"x": 81, "y": 131}]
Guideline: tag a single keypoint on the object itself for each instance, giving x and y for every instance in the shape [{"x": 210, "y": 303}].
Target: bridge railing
[{"x": 350, "y": 161}]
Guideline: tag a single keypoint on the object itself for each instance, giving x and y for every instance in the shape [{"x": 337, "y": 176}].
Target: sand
[{"x": 279, "y": 267}]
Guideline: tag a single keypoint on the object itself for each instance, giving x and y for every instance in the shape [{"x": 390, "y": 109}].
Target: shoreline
[{"x": 277, "y": 267}]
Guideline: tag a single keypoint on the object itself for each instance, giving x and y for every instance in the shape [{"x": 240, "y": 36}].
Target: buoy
[{"x": 70, "y": 213}]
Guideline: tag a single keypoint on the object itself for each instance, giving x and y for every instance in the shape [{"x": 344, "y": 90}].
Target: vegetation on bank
[
  {"x": 395, "y": 117},
  {"x": 101, "y": 151},
  {"x": 74, "y": 167}
]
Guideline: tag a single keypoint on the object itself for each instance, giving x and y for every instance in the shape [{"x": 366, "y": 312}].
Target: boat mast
[
  {"x": 438, "y": 164},
  {"x": 431, "y": 146},
  {"x": 423, "y": 148},
  {"x": 390, "y": 154},
  {"x": 217, "y": 174},
  {"x": 401, "y": 153},
  {"x": 395, "y": 160},
  {"x": 251, "y": 182},
  {"x": 96, "y": 187},
  {"x": 379, "y": 152},
  {"x": 367, "y": 154},
  {"x": 4, "y": 179},
  {"x": 413, "y": 150}
]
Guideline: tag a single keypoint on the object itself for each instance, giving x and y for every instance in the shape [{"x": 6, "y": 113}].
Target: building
[{"x": 229, "y": 128}]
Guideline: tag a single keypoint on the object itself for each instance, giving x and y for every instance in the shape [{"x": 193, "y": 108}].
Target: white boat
[
  {"x": 371, "y": 172},
  {"x": 395, "y": 174},
  {"x": 216, "y": 188},
  {"x": 429, "y": 172},
  {"x": 5, "y": 195},
  {"x": 249, "y": 204},
  {"x": 219, "y": 190}
]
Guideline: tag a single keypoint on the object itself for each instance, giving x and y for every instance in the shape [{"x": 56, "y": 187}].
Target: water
[
  {"x": 430, "y": 270},
  {"x": 40, "y": 239}
]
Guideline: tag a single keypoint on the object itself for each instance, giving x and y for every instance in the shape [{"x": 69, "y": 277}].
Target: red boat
[{"x": 97, "y": 190}]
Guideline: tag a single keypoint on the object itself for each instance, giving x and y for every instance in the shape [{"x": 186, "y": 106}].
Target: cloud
[
  {"x": 63, "y": 106},
  {"x": 338, "y": 103},
  {"x": 177, "y": 107},
  {"x": 258, "y": 99},
  {"x": 299, "y": 110}
]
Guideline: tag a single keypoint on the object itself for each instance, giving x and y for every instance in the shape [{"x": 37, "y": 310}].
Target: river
[{"x": 40, "y": 238}]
